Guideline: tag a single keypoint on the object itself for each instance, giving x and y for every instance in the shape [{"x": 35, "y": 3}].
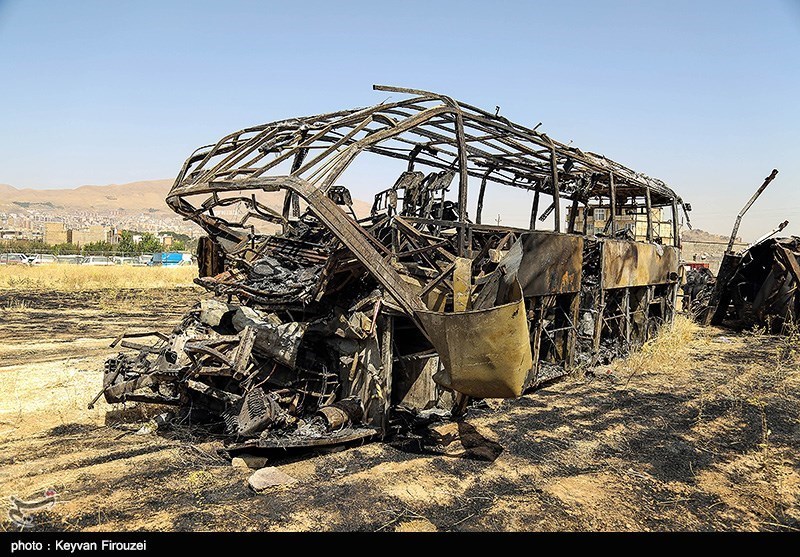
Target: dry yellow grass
[
  {"x": 79, "y": 277},
  {"x": 667, "y": 352}
]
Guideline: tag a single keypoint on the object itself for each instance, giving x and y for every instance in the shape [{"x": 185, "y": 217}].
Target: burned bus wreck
[
  {"x": 328, "y": 326},
  {"x": 759, "y": 287}
]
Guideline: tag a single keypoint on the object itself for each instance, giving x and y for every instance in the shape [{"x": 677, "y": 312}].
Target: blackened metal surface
[{"x": 759, "y": 287}]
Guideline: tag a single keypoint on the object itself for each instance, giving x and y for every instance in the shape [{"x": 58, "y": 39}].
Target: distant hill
[
  {"x": 697, "y": 235},
  {"x": 135, "y": 197}
]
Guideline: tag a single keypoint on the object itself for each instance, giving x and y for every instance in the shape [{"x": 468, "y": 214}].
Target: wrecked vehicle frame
[
  {"x": 329, "y": 327},
  {"x": 757, "y": 286}
]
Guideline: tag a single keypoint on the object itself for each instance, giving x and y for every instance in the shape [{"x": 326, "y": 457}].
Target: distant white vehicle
[
  {"x": 13, "y": 259},
  {"x": 119, "y": 260},
  {"x": 96, "y": 260},
  {"x": 69, "y": 259},
  {"x": 42, "y": 259}
]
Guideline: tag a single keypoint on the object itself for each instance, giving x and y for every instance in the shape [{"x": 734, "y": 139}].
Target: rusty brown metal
[
  {"x": 550, "y": 264},
  {"x": 628, "y": 264},
  {"x": 719, "y": 299},
  {"x": 485, "y": 353}
]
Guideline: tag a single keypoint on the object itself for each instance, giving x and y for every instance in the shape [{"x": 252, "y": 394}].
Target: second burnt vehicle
[{"x": 328, "y": 326}]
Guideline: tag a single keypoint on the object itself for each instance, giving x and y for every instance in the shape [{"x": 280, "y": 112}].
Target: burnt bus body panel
[{"x": 627, "y": 264}]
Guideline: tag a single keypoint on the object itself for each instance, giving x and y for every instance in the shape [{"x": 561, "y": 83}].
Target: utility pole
[{"x": 498, "y": 219}]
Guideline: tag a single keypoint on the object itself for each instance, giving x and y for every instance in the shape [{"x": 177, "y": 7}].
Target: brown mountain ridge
[{"x": 134, "y": 197}]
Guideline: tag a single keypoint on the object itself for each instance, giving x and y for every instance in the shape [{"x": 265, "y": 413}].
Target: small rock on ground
[{"x": 269, "y": 477}]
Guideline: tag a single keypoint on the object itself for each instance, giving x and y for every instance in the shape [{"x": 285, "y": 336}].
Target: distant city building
[
  {"x": 14, "y": 226},
  {"x": 57, "y": 225},
  {"x": 12, "y": 234},
  {"x": 54, "y": 233},
  {"x": 91, "y": 234}
]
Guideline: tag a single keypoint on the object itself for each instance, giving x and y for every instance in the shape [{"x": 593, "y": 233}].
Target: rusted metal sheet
[
  {"x": 484, "y": 353},
  {"x": 551, "y": 263},
  {"x": 627, "y": 264},
  {"x": 462, "y": 273},
  {"x": 719, "y": 297}
]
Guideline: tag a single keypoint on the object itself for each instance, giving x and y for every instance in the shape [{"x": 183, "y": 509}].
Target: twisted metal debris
[
  {"x": 329, "y": 326},
  {"x": 757, "y": 286}
]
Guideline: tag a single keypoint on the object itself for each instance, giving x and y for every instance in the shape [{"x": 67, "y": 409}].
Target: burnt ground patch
[
  {"x": 53, "y": 315},
  {"x": 710, "y": 446},
  {"x": 69, "y": 429}
]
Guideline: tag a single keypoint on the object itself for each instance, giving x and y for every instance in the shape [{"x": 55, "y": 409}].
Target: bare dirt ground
[{"x": 701, "y": 431}]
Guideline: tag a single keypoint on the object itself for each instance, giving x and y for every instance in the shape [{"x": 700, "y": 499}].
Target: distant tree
[
  {"x": 97, "y": 247},
  {"x": 64, "y": 249},
  {"x": 24, "y": 246},
  {"x": 126, "y": 243},
  {"x": 178, "y": 245},
  {"x": 175, "y": 235},
  {"x": 149, "y": 243}
]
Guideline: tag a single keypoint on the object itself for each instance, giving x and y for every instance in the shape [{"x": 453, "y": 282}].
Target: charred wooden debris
[{"x": 328, "y": 326}]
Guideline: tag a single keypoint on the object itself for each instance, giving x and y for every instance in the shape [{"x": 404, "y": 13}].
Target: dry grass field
[
  {"x": 75, "y": 278},
  {"x": 699, "y": 430}
]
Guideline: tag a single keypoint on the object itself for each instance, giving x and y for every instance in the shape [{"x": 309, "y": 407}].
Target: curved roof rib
[{"x": 425, "y": 129}]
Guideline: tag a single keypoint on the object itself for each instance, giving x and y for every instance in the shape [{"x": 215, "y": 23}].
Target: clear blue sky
[{"x": 702, "y": 94}]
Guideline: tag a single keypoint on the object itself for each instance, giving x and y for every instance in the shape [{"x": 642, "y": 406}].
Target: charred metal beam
[{"x": 747, "y": 205}]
